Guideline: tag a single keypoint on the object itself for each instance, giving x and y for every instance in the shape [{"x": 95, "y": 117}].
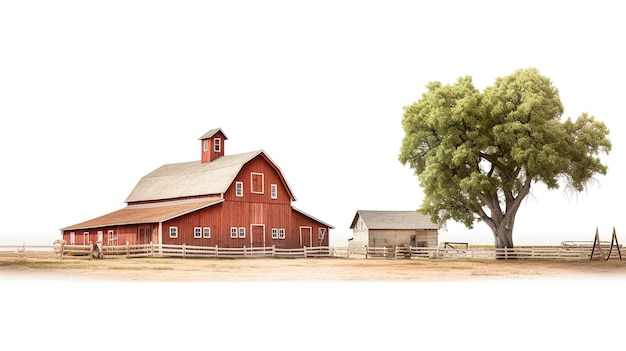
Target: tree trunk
[{"x": 503, "y": 235}]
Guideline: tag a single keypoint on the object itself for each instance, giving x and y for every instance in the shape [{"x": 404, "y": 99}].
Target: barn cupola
[{"x": 212, "y": 145}]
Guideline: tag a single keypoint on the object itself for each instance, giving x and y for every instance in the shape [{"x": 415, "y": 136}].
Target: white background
[{"x": 94, "y": 95}]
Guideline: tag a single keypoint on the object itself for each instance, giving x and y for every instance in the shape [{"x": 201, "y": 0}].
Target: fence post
[
  {"x": 274, "y": 250},
  {"x": 304, "y": 251},
  {"x": 127, "y": 249},
  {"x": 367, "y": 251},
  {"x": 183, "y": 250},
  {"x": 216, "y": 252},
  {"x": 151, "y": 249}
]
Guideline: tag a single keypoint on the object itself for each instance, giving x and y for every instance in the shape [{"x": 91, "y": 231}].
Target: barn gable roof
[
  {"x": 394, "y": 220},
  {"x": 147, "y": 213},
  {"x": 188, "y": 179}
]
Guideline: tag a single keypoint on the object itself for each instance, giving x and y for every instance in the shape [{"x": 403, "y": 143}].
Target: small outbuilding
[{"x": 393, "y": 228}]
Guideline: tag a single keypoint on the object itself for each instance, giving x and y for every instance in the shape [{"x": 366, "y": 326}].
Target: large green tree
[{"x": 477, "y": 154}]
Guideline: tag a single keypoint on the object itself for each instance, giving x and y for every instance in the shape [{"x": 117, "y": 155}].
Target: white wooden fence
[{"x": 572, "y": 252}]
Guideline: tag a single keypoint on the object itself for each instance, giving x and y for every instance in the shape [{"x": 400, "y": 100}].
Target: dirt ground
[{"x": 330, "y": 269}]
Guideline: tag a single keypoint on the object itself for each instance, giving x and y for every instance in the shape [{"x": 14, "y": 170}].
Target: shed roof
[
  {"x": 147, "y": 213},
  {"x": 187, "y": 179},
  {"x": 393, "y": 220}
]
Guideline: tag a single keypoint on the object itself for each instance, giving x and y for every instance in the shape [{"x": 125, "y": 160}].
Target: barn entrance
[
  {"x": 145, "y": 234},
  {"x": 257, "y": 235},
  {"x": 306, "y": 236}
]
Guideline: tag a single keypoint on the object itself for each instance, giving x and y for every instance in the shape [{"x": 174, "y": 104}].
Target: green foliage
[{"x": 476, "y": 154}]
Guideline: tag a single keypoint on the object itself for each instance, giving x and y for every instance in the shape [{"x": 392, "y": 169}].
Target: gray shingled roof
[
  {"x": 178, "y": 180},
  {"x": 394, "y": 220}
]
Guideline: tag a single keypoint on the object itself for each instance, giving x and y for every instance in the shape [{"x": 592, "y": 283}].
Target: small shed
[{"x": 393, "y": 228}]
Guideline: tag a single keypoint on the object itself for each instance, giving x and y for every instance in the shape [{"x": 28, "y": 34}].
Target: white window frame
[
  {"x": 233, "y": 232},
  {"x": 217, "y": 145},
  {"x": 274, "y": 191},
  {"x": 281, "y": 233},
  {"x": 239, "y": 189},
  {"x": 242, "y": 232},
  {"x": 111, "y": 238},
  {"x": 173, "y": 232},
  {"x": 197, "y": 232},
  {"x": 206, "y": 232},
  {"x": 274, "y": 233},
  {"x": 86, "y": 238},
  {"x": 252, "y": 175},
  {"x": 72, "y": 238},
  {"x": 205, "y": 145}
]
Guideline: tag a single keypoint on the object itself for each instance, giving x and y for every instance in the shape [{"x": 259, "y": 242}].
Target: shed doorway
[{"x": 306, "y": 236}]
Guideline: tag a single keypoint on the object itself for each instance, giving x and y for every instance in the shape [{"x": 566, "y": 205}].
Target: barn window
[
  {"x": 233, "y": 232},
  {"x": 217, "y": 144},
  {"x": 274, "y": 191},
  {"x": 206, "y": 232},
  {"x": 111, "y": 238},
  {"x": 281, "y": 233},
  {"x": 86, "y": 238},
  {"x": 173, "y": 232},
  {"x": 197, "y": 232},
  {"x": 242, "y": 232},
  {"x": 205, "y": 145},
  {"x": 256, "y": 179},
  {"x": 274, "y": 233},
  {"x": 239, "y": 189},
  {"x": 72, "y": 235}
]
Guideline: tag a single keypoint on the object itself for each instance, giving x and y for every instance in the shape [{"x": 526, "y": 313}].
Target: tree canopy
[{"x": 476, "y": 154}]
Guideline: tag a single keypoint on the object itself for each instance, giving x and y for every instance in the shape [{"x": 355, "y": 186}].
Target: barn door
[
  {"x": 306, "y": 236},
  {"x": 145, "y": 234},
  {"x": 257, "y": 235}
]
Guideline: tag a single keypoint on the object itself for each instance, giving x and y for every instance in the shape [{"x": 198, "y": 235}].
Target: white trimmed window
[
  {"x": 242, "y": 232},
  {"x": 239, "y": 189},
  {"x": 274, "y": 233},
  {"x": 72, "y": 238},
  {"x": 217, "y": 144},
  {"x": 233, "y": 232},
  {"x": 111, "y": 238},
  {"x": 205, "y": 145},
  {"x": 274, "y": 191},
  {"x": 281, "y": 233},
  {"x": 206, "y": 232},
  {"x": 173, "y": 232},
  {"x": 256, "y": 179},
  {"x": 197, "y": 232}
]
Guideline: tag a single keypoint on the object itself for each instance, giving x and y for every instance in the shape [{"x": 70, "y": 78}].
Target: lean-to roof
[{"x": 147, "y": 213}]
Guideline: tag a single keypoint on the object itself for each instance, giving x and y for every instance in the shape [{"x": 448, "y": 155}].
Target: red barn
[{"x": 224, "y": 200}]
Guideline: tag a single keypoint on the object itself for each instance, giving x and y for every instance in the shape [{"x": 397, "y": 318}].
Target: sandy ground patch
[{"x": 331, "y": 269}]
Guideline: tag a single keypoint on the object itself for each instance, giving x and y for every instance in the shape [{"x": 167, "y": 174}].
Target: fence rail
[{"x": 564, "y": 252}]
